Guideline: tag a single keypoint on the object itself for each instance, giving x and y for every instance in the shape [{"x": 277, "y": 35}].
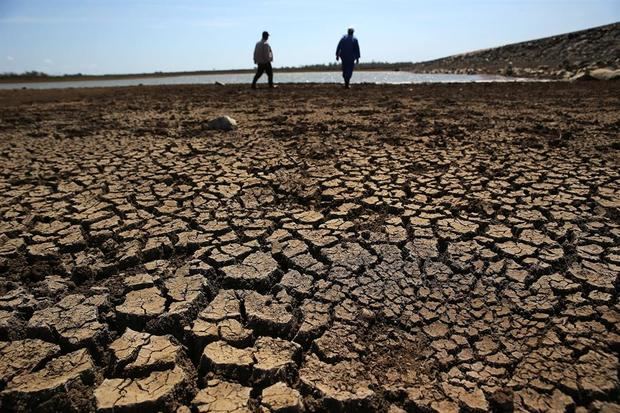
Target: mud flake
[
  {"x": 437, "y": 330},
  {"x": 297, "y": 284},
  {"x": 319, "y": 238},
  {"x": 44, "y": 250},
  {"x": 54, "y": 286},
  {"x": 18, "y": 300},
  {"x": 341, "y": 386},
  {"x": 597, "y": 373},
  {"x": 257, "y": 269},
  {"x": 223, "y": 397},
  {"x": 349, "y": 255},
  {"x": 423, "y": 248},
  {"x": 157, "y": 247},
  {"x": 535, "y": 237},
  {"x": 315, "y": 319},
  {"x": 186, "y": 293},
  {"x": 232, "y": 331},
  {"x": 275, "y": 359},
  {"x": 227, "y": 360},
  {"x": 281, "y": 398},
  {"x": 11, "y": 324},
  {"x": 159, "y": 390},
  {"x": 486, "y": 346},
  {"x": 596, "y": 275},
  {"x": 337, "y": 343},
  {"x": 225, "y": 305},
  {"x": 23, "y": 356},
  {"x": 499, "y": 232},
  {"x": 57, "y": 380},
  {"x": 229, "y": 253},
  {"x": 137, "y": 353},
  {"x": 268, "y": 313},
  {"x": 309, "y": 217},
  {"x": 516, "y": 249},
  {"x": 229, "y": 330},
  {"x": 533, "y": 401},
  {"x": 74, "y": 319},
  {"x": 454, "y": 228},
  {"x": 474, "y": 401},
  {"x": 337, "y": 225},
  {"x": 308, "y": 264},
  {"x": 141, "y": 305},
  {"x": 139, "y": 281},
  {"x": 9, "y": 247}
]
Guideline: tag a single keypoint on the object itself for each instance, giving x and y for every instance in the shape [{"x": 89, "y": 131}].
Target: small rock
[
  {"x": 582, "y": 76},
  {"x": 367, "y": 315},
  {"x": 225, "y": 123},
  {"x": 605, "y": 74}
]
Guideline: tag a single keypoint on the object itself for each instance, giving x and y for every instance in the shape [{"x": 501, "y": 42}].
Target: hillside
[{"x": 560, "y": 56}]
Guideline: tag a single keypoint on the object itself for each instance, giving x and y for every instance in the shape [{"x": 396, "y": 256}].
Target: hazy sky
[{"x": 129, "y": 36}]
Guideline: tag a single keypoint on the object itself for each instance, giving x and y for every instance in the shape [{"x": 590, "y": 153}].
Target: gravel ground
[{"x": 435, "y": 248}]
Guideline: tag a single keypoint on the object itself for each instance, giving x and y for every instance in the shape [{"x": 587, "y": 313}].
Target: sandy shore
[{"x": 426, "y": 248}]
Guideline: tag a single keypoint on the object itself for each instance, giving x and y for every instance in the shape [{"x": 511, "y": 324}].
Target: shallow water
[{"x": 379, "y": 77}]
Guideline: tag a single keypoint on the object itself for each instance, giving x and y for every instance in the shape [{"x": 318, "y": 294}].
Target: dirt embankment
[
  {"x": 436, "y": 248},
  {"x": 561, "y": 56}
]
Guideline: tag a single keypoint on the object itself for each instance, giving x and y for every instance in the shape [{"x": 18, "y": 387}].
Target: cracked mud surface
[{"x": 435, "y": 248}]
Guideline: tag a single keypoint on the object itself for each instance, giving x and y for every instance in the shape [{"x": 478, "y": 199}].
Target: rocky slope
[{"x": 561, "y": 56}]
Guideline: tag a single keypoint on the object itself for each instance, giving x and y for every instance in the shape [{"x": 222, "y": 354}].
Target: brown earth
[{"x": 388, "y": 248}]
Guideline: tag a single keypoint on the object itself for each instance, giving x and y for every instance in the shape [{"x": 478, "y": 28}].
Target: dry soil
[{"x": 386, "y": 248}]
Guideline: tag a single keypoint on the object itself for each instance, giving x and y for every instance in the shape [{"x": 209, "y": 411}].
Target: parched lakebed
[{"x": 386, "y": 248}]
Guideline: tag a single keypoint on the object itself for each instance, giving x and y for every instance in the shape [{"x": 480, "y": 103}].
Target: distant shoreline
[{"x": 77, "y": 78}]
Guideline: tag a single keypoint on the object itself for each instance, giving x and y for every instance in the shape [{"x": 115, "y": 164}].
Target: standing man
[
  {"x": 263, "y": 56},
  {"x": 349, "y": 51}
]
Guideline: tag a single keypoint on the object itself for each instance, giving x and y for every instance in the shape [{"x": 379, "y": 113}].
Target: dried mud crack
[{"x": 435, "y": 248}]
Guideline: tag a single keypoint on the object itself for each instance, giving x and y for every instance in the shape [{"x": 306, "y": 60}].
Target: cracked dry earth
[{"x": 435, "y": 248}]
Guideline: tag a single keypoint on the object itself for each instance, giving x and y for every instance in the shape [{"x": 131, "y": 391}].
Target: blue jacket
[{"x": 348, "y": 48}]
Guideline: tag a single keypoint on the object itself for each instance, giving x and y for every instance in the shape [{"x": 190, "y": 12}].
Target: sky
[{"x": 139, "y": 36}]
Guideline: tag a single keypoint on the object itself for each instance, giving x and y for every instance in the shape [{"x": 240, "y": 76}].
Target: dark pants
[
  {"x": 347, "y": 70},
  {"x": 262, "y": 68}
]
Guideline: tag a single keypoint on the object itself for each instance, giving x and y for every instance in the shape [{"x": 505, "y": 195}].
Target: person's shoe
[
  {"x": 273, "y": 86},
  {"x": 253, "y": 86}
]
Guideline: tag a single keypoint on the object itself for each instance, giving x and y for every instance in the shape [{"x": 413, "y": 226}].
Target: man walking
[
  {"x": 349, "y": 51},
  {"x": 263, "y": 56}
]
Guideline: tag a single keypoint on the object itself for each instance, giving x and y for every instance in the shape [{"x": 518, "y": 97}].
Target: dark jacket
[{"x": 348, "y": 48}]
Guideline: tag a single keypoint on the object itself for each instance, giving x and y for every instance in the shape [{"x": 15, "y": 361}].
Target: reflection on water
[{"x": 298, "y": 77}]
